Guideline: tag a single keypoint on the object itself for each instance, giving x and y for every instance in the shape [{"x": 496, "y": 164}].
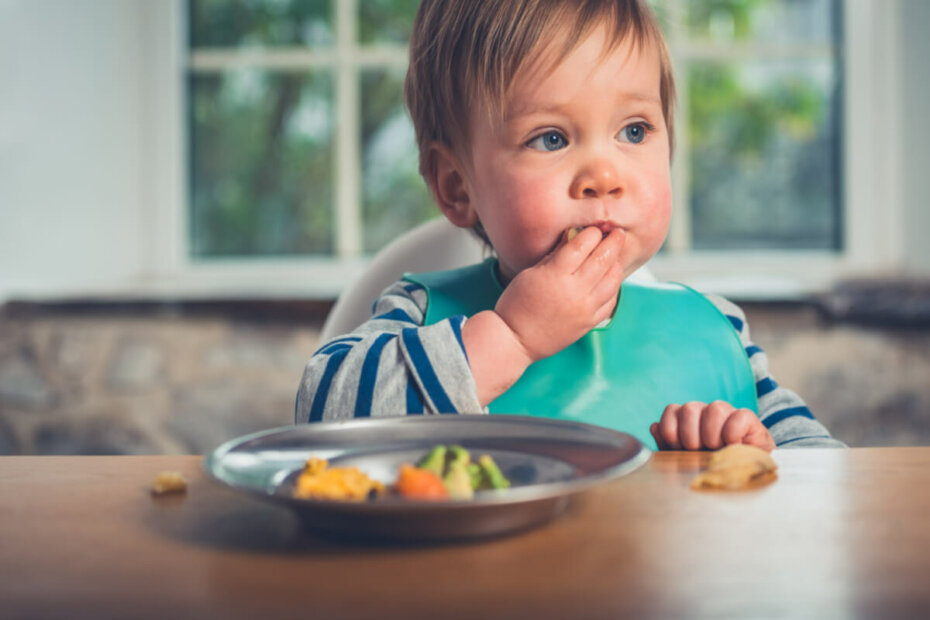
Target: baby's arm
[
  {"x": 390, "y": 365},
  {"x": 782, "y": 411},
  {"x": 783, "y": 415},
  {"x": 544, "y": 309}
]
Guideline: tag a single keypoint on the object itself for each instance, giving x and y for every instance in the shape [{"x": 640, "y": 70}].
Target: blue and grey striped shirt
[{"x": 393, "y": 365}]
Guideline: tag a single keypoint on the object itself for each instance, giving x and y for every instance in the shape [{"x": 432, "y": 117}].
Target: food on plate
[
  {"x": 445, "y": 472},
  {"x": 320, "y": 481},
  {"x": 460, "y": 476},
  {"x": 416, "y": 483},
  {"x": 491, "y": 476},
  {"x": 736, "y": 466},
  {"x": 169, "y": 482},
  {"x": 434, "y": 461}
]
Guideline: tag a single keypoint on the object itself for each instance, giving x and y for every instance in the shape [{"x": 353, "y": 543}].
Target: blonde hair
[{"x": 466, "y": 52}]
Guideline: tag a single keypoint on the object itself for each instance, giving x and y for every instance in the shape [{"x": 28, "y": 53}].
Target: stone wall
[
  {"x": 129, "y": 384},
  {"x": 138, "y": 380}
]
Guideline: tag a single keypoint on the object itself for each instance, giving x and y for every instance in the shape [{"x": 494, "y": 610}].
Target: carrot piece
[{"x": 416, "y": 483}]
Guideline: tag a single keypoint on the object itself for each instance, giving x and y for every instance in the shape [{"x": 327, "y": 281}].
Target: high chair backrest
[{"x": 432, "y": 246}]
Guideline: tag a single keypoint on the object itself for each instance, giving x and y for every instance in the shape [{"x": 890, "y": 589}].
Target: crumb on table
[
  {"x": 169, "y": 482},
  {"x": 735, "y": 467}
]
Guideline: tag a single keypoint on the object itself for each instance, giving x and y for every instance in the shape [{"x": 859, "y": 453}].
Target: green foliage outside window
[
  {"x": 763, "y": 165},
  {"x": 385, "y": 21},
  {"x": 394, "y": 195},
  {"x": 235, "y": 23},
  {"x": 262, "y": 164}
]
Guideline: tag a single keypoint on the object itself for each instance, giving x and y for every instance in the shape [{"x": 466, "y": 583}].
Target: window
[
  {"x": 299, "y": 144},
  {"x": 759, "y": 84},
  {"x": 299, "y": 141}
]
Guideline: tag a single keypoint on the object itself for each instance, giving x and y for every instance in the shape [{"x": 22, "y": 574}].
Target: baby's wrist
[
  {"x": 495, "y": 359},
  {"x": 506, "y": 339}
]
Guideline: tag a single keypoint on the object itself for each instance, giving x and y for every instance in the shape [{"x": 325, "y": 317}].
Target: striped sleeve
[
  {"x": 781, "y": 410},
  {"x": 391, "y": 365}
]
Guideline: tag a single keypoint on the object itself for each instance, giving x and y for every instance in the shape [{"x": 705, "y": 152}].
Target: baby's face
[{"x": 583, "y": 143}]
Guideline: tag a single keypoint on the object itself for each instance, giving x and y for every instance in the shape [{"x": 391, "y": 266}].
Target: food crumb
[
  {"x": 570, "y": 233},
  {"x": 169, "y": 482},
  {"x": 736, "y": 467}
]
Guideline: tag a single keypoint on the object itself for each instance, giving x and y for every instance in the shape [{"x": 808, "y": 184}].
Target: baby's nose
[{"x": 598, "y": 179}]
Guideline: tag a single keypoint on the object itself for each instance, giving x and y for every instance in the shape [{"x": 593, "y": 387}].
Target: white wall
[
  {"x": 72, "y": 142},
  {"x": 915, "y": 147}
]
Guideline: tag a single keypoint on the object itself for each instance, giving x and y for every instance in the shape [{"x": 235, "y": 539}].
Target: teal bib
[{"x": 665, "y": 344}]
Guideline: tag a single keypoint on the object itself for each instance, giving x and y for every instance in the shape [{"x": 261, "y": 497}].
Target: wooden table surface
[{"x": 842, "y": 533}]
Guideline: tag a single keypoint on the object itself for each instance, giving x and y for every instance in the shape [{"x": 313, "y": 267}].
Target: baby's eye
[
  {"x": 635, "y": 132},
  {"x": 550, "y": 141}
]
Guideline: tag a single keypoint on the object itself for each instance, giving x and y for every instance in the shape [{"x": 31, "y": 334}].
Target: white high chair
[{"x": 432, "y": 246}]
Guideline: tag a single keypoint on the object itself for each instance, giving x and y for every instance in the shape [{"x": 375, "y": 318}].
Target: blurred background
[{"x": 186, "y": 186}]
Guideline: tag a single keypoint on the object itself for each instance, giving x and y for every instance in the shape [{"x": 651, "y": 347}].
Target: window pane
[
  {"x": 386, "y": 21},
  {"x": 395, "y": 197},
  {"x": 764, "y": 154},
  {"x": 235, "y": 23},
  {"x": 261, "y": 164},
  {"x": 762, "y": 21}
]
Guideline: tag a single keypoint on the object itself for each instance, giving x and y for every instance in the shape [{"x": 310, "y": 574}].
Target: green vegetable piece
[
  {"x": 458, "y": 454},
  {"x": 476, "y": 475},
  {"x": 458, "y": 481},
  {"x": 434, "y": 461},
  {"x": 492, "y": 473}
]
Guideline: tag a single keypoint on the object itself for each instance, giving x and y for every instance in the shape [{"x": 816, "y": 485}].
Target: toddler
[{"x": 546, "y": 127}]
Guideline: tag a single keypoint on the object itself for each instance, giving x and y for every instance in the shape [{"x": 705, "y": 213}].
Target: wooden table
[{"x": 839, "y": 534}]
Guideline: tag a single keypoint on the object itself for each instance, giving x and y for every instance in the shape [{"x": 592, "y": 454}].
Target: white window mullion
[
  {"x": 700, "y": 50},
  {"x": 213, "y": 60},
  {"x": 679, "y": 236},
  {"x": 348, "y": 231},
  {"x": 166, "y": 220},
  {"x": 873, "y": 199}
]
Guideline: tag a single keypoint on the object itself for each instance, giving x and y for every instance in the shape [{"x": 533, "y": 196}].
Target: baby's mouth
[{"x": 604, "y": 226}]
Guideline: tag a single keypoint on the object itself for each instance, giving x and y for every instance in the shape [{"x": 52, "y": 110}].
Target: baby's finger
[
  {"x": 605, "y": 312},
  {"x": 668, "y": 427},
  {"x": 756, "y": 433},
  {"x": 689, "y": 425},
  {"x": 570, "y": 254},
  {"x": 608, "y": 286},
  {"x": 654, "y": 431},
  {"x": 712, "y": 423},
  {"x": 602, "y": 257},
  {"x": 737, "y": 426}
]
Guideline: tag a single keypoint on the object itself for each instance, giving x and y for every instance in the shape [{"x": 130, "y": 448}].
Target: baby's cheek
[
  {"x": 658, "y": 211},
  {"x": 537, "y": 217}
]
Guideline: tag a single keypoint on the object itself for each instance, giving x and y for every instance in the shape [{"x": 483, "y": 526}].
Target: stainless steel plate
[{"x": 546, "y": 461}]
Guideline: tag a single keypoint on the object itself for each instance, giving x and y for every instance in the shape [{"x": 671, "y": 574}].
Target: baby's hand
[
  {"x": 557, "y": 301},
  {"x": 699, "y": 426}
]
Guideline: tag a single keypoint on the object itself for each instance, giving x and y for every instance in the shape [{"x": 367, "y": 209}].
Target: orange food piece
[
  {"x": 319, "y": 481},
  {"x": 416, "y": 483}
]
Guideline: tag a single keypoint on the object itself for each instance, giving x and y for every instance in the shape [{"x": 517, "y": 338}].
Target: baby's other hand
[
  {"x": 573, "y": 288},
  {"x": 699, "y": 426}
]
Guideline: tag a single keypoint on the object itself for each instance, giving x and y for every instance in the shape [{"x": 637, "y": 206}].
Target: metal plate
[{"x": 546, "y": 461}]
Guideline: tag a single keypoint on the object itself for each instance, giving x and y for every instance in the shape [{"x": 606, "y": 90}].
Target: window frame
[{"x": 870, "y": 167}]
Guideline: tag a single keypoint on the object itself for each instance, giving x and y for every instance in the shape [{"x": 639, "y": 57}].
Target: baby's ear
[{"x": 450, "y": 189}]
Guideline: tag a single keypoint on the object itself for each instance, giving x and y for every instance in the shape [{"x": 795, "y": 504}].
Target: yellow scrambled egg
[{"x": 319, "y": 481}]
